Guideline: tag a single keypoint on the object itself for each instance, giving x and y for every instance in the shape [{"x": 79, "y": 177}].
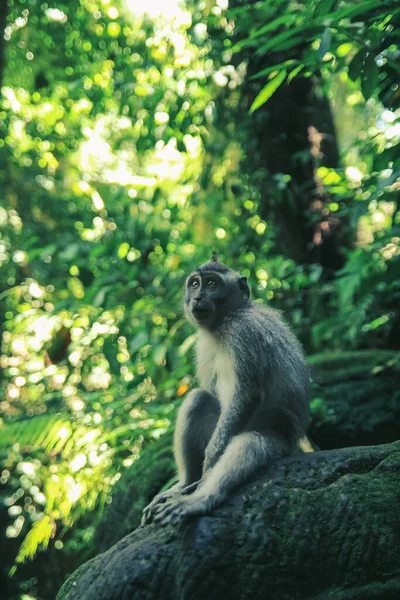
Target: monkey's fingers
[
  {"x": 191, "y": 487},
  {"x": 172, "y": 513},
  {"x": 146, "y": 517},
  {"x": 148, "y": 512}
]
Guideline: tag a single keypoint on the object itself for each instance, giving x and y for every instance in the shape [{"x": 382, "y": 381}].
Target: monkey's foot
[
  {"x": 192, "y": 487},
  {"x": 175, "y": 511},
  {"x": 151, "y": 509},
  {"x": 160, "y": 499}
]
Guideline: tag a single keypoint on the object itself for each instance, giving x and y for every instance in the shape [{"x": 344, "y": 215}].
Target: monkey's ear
[{"x": 244, "y": 286}]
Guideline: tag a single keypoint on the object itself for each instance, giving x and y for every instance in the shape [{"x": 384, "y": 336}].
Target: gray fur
[{"x": 252, "y": 407}]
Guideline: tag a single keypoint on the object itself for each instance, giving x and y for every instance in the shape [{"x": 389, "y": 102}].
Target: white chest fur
[{"x": 215, "y": 367}]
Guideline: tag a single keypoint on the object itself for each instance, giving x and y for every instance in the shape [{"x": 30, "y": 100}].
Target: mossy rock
[
  {"x": 321, "y": 526},
  {"x": 356, "y": 398}
]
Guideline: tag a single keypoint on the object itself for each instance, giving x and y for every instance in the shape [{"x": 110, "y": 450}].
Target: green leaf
[
  {"x": 110, "y": 349},
  {"x": 356, "y": 65},
  {"x": 292, "y": 42},
  {"x": 138, "y": 342},
  {"x": 352, "y": 10},
  {"x": 278, "y": 42},
  {"x": 323, "y": 7},
  {"x": 187, "y": 344},
  {"x": 295, "y": 72},
  {"x": 285, "y": 20},
  {"x": 277, "y": 67},
  {"x": 325, "y": 43},
  {"x": 39, "y": 535},
  {"x": 38, "y": 432},
  {"x": 159, "y": 354},
  {"x": 369, "y": 81},
  {"x": 268, "y": 90},
  {"x": 100, "y": 296},
  {"x": 70, "y": 253}
]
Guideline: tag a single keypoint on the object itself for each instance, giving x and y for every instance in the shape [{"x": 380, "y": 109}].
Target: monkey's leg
[
  {"x": 244, "y": 454},
  {"x": 197, "y": 418}
]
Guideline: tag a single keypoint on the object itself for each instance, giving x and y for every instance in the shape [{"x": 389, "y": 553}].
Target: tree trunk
[{"x": 293, "y": 134}]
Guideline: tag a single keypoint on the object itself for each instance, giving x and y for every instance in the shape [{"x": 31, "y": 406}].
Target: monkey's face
[{"x": 211, "y": 296}]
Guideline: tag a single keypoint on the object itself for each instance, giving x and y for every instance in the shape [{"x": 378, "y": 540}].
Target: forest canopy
[{"x": 136, "y": 138}]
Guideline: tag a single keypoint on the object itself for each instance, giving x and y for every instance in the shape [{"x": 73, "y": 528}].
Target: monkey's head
[{"x": 213, "y": 291}]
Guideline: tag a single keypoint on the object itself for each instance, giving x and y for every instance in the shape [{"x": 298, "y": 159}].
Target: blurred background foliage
[{"x": 135, "y": 139}]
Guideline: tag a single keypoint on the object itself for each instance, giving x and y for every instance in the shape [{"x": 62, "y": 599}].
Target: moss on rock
[
  {"x": 315, "y": 526},
  {"x": 356, "y": 398}
]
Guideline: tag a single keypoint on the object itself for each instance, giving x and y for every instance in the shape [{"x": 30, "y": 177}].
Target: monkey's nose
[{"x": 200, "y": 305}]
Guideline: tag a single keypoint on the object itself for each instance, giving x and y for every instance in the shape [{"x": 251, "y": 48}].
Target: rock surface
[
  {"x": 322, "y": 526},
  {"x": 356, "y": 398}
]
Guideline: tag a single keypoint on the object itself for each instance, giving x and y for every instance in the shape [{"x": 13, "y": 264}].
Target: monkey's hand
[{"x": 175, "y": 511}]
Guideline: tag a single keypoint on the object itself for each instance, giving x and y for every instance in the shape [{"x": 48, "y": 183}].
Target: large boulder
[
  {"x": 315, "y": 526},
  {"x": 356, "y": 398}
]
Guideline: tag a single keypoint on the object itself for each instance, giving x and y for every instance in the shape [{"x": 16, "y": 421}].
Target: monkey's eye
[
  {"x": 211, "y": 283},
  {"x": 194, "y": 283}
]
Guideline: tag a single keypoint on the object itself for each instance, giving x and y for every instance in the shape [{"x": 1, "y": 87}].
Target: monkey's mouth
[{"x": 201, "y": 312}]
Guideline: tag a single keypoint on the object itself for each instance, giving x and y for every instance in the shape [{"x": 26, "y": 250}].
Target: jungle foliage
[{"x": 132, "y": 145}]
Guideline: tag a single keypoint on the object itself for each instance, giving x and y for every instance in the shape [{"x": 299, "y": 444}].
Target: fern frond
[
  {"x": 39, "y": 535},
  {"x": 44, "y": 431}
]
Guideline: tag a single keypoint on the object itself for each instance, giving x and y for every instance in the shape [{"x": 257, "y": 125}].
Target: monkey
[{"x": 252, "y": 406}]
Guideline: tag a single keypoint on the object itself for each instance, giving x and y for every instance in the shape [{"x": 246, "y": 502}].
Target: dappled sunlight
[
  {"x": 155, "y": 8},
  {"x": 128, "y": 155}
]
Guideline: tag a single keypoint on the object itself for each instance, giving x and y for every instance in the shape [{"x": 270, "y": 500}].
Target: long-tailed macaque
[{"x": 252, "y": 405}]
